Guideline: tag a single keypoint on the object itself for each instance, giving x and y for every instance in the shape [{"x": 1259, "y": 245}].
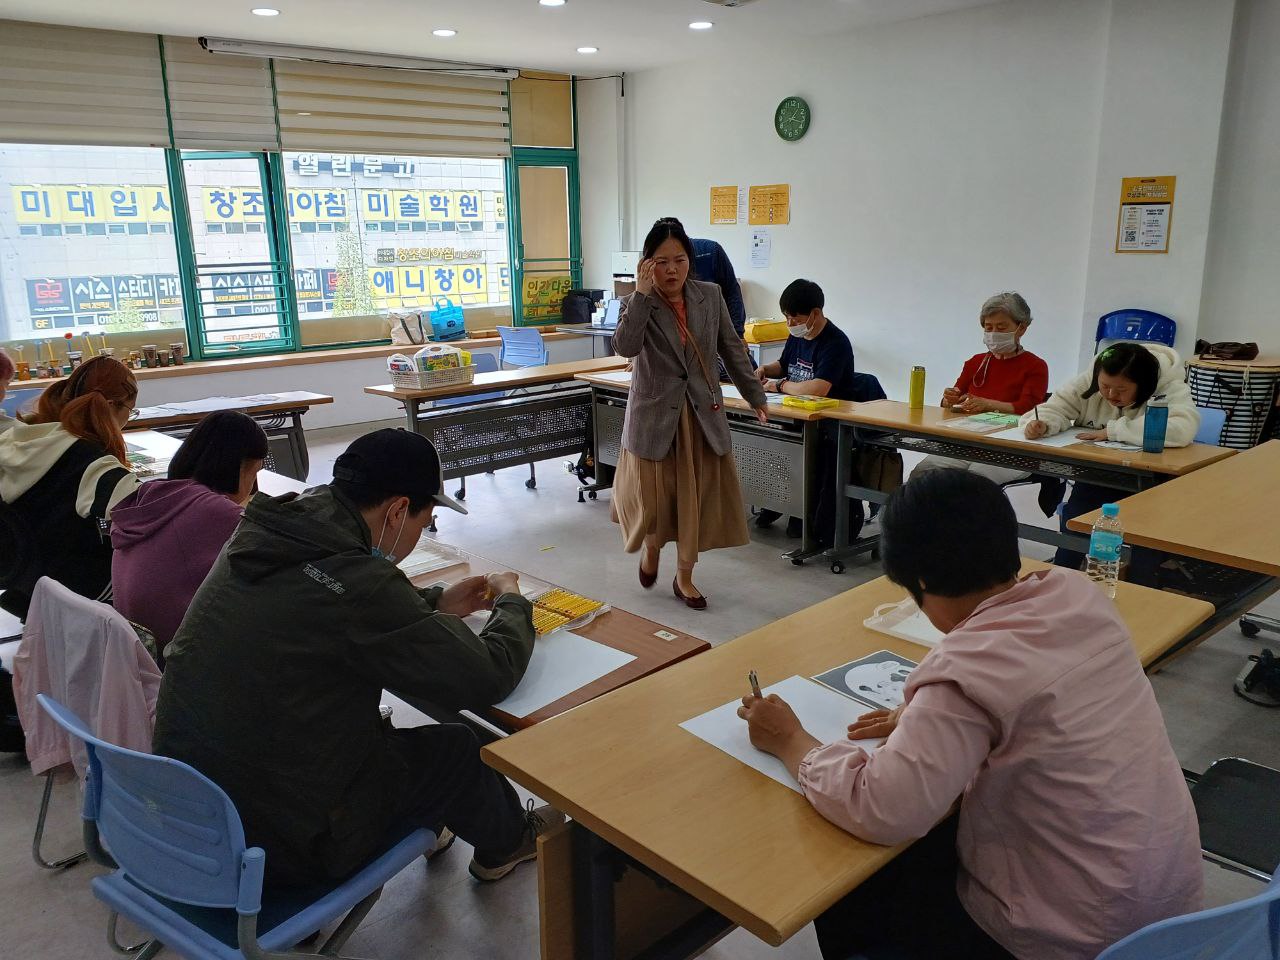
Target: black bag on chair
[{"x": 577, "y": 307}]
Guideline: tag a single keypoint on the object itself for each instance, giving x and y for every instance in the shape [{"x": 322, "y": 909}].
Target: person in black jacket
[{"x": 273, "y": 681}]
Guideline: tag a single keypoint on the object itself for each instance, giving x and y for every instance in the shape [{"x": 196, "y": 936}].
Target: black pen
[{"x": 755, "y": 684}]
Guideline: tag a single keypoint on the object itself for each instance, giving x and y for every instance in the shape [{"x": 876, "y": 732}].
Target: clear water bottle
[{"x": 1105, "y": 545}]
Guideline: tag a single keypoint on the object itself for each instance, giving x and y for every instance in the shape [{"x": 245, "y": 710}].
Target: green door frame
[
  {"x": 271, "y": 177},
  {"x": 541, "y": 157}
]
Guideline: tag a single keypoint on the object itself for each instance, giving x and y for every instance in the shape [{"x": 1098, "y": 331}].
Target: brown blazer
[{"x": 666, "y": 374}]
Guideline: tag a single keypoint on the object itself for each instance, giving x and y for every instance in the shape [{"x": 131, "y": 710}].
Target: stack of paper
[{"x": 562, "y": 663}]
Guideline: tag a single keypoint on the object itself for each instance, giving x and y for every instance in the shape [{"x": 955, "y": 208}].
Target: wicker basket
[{"x": 424, "y": 379}]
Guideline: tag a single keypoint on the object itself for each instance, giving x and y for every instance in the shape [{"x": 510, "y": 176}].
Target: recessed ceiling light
[
  {"x": 701, "y": 25},
  {"x": 444, "y": 32},
  {"x": 552, "y": 3},
  {"x": 588, "y": 49},
  {"x": 265, "y": 12}
]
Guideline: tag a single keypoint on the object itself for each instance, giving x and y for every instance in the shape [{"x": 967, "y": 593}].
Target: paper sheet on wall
[
  {"x": 761, "y": 249},
  {"x": 724, "y": 205},
  {"x": 1064, "y": 439},
  {"x": 824, "y": 713},
  {"x": 562, "y": 662}
]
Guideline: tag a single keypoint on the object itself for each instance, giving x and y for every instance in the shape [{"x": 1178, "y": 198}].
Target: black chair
[{"x": 1238, "y": 806}]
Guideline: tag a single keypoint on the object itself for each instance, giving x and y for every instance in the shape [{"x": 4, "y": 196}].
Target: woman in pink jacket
[{"x": 1075, "y": 826}]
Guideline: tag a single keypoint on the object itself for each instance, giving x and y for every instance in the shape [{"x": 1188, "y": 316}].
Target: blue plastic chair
[
  {"x": 485, "y": 363},
  {"x": 1134, "y": 324},
  {"x": 16, "y": 400},
  {"x": 1245, "y": 930},
  {"x": 522, "y": 347},
  {"x": 1212, "y": 420},
  {"x": 182, "y": 870}
]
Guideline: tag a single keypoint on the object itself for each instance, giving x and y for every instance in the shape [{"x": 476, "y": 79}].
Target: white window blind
[
  {"x": 219, "y": 102},
  {"x": 337, "y": 107},
  {"x": 88, "y": 87}
]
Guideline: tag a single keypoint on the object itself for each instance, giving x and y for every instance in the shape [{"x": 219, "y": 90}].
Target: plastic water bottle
[
  {"x": 1105, "y": 543},
  {"x": 1154, "y": 424}
]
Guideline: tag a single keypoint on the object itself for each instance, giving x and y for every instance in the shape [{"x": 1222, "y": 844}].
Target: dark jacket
[
  {"x": 667, "y": 374},
  {"x": 273, "y": 682},
  {"x": 711, "y": 265}
]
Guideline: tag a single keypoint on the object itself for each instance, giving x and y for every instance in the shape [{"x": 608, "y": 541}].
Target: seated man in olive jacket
[{"x": 273, "y": 681}]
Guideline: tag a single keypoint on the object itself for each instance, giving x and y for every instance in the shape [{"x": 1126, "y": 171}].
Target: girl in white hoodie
[{"x": 1111, "y": 401}]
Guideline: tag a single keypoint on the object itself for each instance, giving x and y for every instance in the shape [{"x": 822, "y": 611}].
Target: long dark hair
[
  {"x": 217, "y": 448},
  {"x": 83, "y": 402},
  {"x": 662, "y": 230},
  {"x": 1128, "y": 360}
]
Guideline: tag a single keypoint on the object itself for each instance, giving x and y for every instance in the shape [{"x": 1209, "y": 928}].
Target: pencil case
[{"x": 810, "y": 403}]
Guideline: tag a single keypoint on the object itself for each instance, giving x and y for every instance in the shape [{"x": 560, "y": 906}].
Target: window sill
[{"x": 265, "y": 361}]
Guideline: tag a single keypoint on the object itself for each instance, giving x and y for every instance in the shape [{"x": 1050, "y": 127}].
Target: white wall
[
  {"x": 599, "y": 177},
  {"x": 957, "y": 155},
  {"x": 1242, "y": 283}
]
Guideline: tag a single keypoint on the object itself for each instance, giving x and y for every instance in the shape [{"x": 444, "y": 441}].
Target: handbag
[
  {"x": 1226, "y": 350},
  {"x": 407, "y": 329}
]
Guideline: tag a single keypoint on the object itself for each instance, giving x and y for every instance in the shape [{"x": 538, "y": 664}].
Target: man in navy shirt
[{"x": 817, "y": 361}]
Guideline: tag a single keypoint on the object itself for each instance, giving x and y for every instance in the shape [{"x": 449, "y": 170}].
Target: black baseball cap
[{"x": 401, "y": 463}]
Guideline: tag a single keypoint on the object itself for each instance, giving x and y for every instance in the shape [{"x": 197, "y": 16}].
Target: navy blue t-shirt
[{"x": 828, "y": 356}]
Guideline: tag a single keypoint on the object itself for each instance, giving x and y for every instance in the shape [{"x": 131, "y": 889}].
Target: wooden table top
[
  {"x": 933, "y": 420},
  {"x": 288, "y": 400},
  {"x": 502, "y": 380},
  {"x": 1226, "y": 513},
  {"x": 776, "y": 409},
  {"x": 738, "y": 841},
  {"x": 616, "y": 628}
]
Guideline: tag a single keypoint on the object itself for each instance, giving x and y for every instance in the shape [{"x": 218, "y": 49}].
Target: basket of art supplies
[{"x": 435, "y": 365}]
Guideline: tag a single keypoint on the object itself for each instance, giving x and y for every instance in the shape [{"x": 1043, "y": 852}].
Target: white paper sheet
[
  {"x": 206, "y": 405},
  {"x": 615, "y": 376},
  {"x": 1064, "y": 439},
  {"x": 761, "y": 248},
  {"x": 562, "y": 663},
  {"x": 731, "y": 391},
  {"x": 905, "y": 621},
  {"x": 824, "y": 713},
  {"x": 10, "y": 626},
  {"x": 427, "y": 556}
]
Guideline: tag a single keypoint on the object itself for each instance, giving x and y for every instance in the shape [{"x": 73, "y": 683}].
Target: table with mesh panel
[{"x": 775, "y": 460}]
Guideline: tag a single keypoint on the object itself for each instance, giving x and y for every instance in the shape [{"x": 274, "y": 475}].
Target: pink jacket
[
  {"x": 1076, "y": 826},
  {"x": 86, "y": 656}
]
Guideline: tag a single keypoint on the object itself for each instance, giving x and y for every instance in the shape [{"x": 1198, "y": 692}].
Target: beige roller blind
[
  {"x": 70, "y": 85},
  {"x": 219, "y": 102},
  {"x": 383, "y": 110}
]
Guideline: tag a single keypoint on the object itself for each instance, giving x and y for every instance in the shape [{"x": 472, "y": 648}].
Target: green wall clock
[{"x": 791, "y": 119}]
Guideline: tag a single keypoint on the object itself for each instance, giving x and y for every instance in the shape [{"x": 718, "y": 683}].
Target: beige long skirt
[{"x": 691, "y": 496}]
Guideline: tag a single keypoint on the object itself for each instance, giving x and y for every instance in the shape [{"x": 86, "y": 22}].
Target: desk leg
[
  {"x": 844, "y": 463},
  {"x": 593, "y": 874},
  {"x": 411, "y": 408},
  {"x": 298, "y": 441}
]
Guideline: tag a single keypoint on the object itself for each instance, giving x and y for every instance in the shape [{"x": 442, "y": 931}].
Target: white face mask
[
  {"x": 800, "y": 330},
  {"x": 998, "y": 341}
]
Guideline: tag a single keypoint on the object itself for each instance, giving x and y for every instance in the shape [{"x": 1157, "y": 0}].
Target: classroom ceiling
[{"x": 630, "y": 34}]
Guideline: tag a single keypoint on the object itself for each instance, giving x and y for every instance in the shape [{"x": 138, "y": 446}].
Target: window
[
  {"x": 372, "y": 234},
  {"x": 86, "y": 248}
]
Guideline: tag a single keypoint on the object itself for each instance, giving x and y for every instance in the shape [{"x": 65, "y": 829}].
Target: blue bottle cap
[{"x": 1111, "y": 510}]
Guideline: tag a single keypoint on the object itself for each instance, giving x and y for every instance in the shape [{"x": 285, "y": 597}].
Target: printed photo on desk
[{"x": 877, "y": 680}]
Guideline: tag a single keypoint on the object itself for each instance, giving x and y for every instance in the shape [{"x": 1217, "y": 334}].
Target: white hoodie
[
  {"x": 29, "y": 450},
  {"x": 1068, "y": 407}
]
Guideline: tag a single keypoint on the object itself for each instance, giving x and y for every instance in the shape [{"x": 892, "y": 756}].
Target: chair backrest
[
  {"x": 1212, "y": 420},
  {"x": 1245, "y": 930},
  {"x": 1134, "y": 324},
  {"x": 522, "y": 347},
  {"x": 171, "y": 829},
  {"x": 15, "y": 401},
  {"x": 484, "y": 363},
  {"x": 866, "y": 387}
]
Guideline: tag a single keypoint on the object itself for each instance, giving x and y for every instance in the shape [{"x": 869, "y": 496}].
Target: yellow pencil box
[
  {"x": 810, "y": 403},
  {"x": 764, "y": 331}
]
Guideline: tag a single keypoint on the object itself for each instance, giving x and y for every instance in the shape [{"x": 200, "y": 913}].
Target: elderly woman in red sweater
[{"x": 1004, "y": 378}]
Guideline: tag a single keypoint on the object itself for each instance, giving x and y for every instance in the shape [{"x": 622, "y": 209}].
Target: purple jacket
[{"x": 166, "y": 537}]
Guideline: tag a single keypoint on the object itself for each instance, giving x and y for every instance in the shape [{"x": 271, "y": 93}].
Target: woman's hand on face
[
  {"x": 877, "y": 723},
  {"x": 762, "y": 414},
  {"x": 1092, "y": 435},
  {"x": 1035, "y": 430},
  {"x": 644, "y": 278}
]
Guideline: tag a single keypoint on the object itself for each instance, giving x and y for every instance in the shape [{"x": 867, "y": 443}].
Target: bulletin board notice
[
  {"x": 1146, "y": 214},
  {"x": 769, "y": 205},
  {"x": 724, "y": 205}
]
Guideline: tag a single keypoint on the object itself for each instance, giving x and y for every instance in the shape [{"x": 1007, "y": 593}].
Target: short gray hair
[{"x": 1009, "y": 303}]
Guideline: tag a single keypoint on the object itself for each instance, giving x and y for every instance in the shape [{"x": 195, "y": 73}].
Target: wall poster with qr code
[{"x": 1146, "y": 214}]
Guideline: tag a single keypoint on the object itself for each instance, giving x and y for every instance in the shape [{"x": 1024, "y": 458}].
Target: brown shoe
[
  {"x": 694, "y": 603},
  {"x": 647, "y": 580}
]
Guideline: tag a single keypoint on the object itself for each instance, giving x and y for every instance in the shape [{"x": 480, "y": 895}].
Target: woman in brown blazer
[{"x": 676, "y": 478}]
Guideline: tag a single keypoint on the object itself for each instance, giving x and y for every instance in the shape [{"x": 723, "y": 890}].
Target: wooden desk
[
  {"x": 500, "y": 380},
  {"x": 1226, "y": 513},
  {"x": 616, "y": 628},
  {"x": 894, "y": 425},
  {"x": 280, "y": 418},
  {"x": 162, "y": 447},
  {"x": 746, "y": 847},
  {"x": 597, "y": 334},
  {"x": 775, "y": 461}
]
